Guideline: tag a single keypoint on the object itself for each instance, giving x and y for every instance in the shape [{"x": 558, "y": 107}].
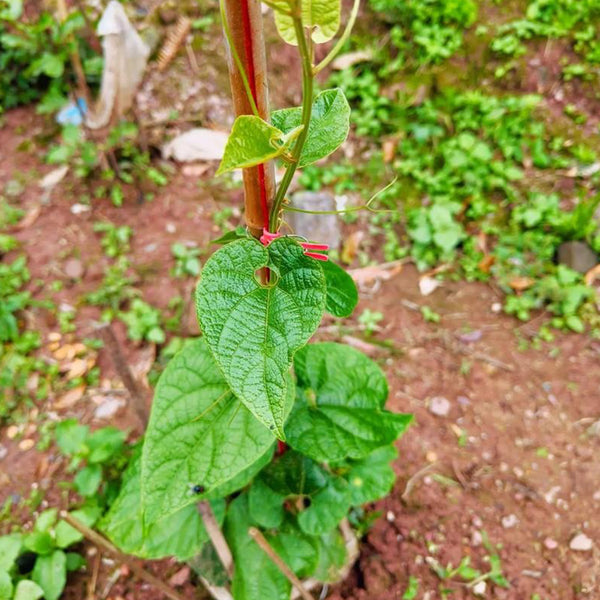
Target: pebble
[
  {"x": 550, "y": 544},
  {"x": 12, "y": 432},
  {"x": 74, "y": 268},
  {"x": 581, "y": 543},
  {"x": 496, "y": 307},
  {"x": 3, "y": 452},
  {"x": 479, "y": 588},
  {"x": 390, "y": 516},
  {"x": 476, "y": 538},
  {"x": 509, "y": 521},
  {"x": 170, "y": 228},
  {"x": 78, "y": 208},
  {"x": 439, "y": 406}
]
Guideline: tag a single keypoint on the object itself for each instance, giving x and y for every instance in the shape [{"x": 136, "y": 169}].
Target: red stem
[{"x": 247, "y": 29}]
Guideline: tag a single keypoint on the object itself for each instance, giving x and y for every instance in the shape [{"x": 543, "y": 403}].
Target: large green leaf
[
  {"x": 50, "y": 573},
  {"x": 256, "y": 577},
  {"x": 180, "y": 534},
  {"x": 253, "y": 141},
  {"x": 339, "y": 413},
  {"x": 372, "y": 477},
  {"x": 10, "y": 548},
  {"x": 321, "y": 16},
  {"x": 198, "y": 435},
  {"x": 298, "y": 550},
  {"x": 328, "y": 129},
  {"x": 253, "y": 330},
  {"x": 342, "y": 295}
]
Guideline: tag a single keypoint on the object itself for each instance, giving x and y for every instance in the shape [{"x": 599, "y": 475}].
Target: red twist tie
[{"x": 267, "y": 237}]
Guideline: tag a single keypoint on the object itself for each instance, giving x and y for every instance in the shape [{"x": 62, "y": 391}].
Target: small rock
[
  {"x": 74, "y": 268},
  {"x": 476, "y": 538},
  {"x": 428, "y": 285},
  {"x": 108, "y": 408},
  {"x": 550, "y": 544},
  {"x": 479, "y": 588},
  {"x": 12, "y": 432},
  {"x": 509, "y": 521},
  {"x": 170, "y": 228},
  {"x": 581, "y": 543},
  {"x": 180, "y": 578},
  {"x": 390, "y": 516},
  {"x": 3, "y": 452},
  {"x": 196, "y": 145},
  {"x": 78, "y": 208},
  {"x": 497, "y": 307},
  {"x": 577, "y": 256},
  {"x": 471, "y": 336},
  {"x": 439, "y": 406},
  {"x": 324, "y": 229}
]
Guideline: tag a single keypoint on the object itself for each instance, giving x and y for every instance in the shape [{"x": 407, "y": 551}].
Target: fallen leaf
[
  {"x": 519, "y": 284},
  {"x": 382, "y": 272},
  {"x": 485, "y": 264},
  {"x": 70, "y": 398},
  {"x": 30, "y": 218},
  {"x": 77, "y": 368},
  {"x": 25, "y": 445},
  {"x": 53, "y": 178}
]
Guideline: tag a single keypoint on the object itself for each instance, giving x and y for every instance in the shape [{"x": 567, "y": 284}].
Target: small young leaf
[
  {"x": 328, "y": 129},
  {"x": 105, "y": 443},
  {"x": 342, "y": 295},
  {"x": 256, "y": 576},
  {"x": 322, "y": 17},
  {"x": 39, "y": 542},
  {"x": 10, "y": 547},
  {"x": 88, "y": 480},
  {"x": 239, "y": 233},
  {"x": 253, "y": 330},
  {"x": 75, "y": 561},
  {"x": 46, "y": 520},
  {"x": 65, "y": 535},
  {"x": 28, "y": 590},
  {"x": 199, "y": 434},
  {"x": 50, "y": 573},
  {"x": 252, "y": 142},
  {"x": 6, "y": 586}
]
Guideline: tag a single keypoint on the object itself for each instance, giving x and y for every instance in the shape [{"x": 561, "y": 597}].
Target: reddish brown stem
[{"x": 244, "y": 22}]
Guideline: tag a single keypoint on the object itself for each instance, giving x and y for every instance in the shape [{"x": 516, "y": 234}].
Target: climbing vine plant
[{"x": 270, "y": 433}]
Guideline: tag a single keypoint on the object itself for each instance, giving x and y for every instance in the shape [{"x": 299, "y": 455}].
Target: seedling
[{"x": 297, "y": 431}]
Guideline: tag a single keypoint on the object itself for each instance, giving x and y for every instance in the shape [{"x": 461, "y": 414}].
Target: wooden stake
[
  {"x": 244, "y": 23},
  {"x": 260, "y": 539},
  {"x": 216, "y": 536}
]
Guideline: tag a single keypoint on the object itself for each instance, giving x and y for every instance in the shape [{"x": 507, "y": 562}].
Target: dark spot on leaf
[
  {"x": 198, "y": 489},
  {"x": 306, "y": 501}
]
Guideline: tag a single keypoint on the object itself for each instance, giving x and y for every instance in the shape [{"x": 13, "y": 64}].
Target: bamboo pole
[{"x": 244, "y": 24}]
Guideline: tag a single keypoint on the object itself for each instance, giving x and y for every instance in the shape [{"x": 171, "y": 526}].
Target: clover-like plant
[{"x": 276, "y": 437}]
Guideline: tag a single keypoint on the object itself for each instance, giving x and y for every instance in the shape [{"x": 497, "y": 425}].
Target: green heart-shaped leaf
[
  {"x": 253, "y": 330},
  {"x": 328, "y": 128},
  {"x": 340, "y": 414},
  {"x": 199, "y": 434}
]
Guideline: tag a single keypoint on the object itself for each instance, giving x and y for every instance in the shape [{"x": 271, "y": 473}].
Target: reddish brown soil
[{"x": 526, "y": 456}]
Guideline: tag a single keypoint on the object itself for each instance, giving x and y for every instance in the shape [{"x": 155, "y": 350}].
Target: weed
[
  {"x": 144, "y": 322},
  {"x": 187, "y": 263}
]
